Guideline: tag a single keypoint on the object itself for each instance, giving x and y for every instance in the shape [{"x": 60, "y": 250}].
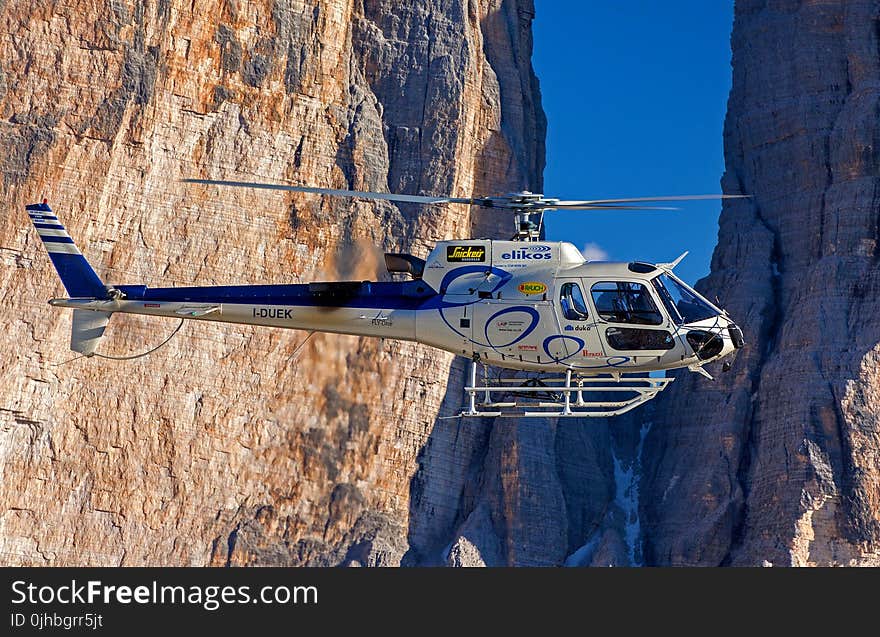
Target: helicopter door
[
  {"x": 579, "y": 342},
  {"x": 631, "y": 322}
]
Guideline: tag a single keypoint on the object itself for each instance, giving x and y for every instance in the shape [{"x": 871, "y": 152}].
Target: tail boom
[
  {"x": 376, "y": 322},
  {"x": 358, "y": 308}
]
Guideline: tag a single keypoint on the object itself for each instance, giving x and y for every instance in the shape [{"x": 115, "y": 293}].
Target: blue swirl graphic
[
  {"x": 439, "y": 303},
  {"x": 516, "y": 308},
  {"x": 550, "y": 339}
]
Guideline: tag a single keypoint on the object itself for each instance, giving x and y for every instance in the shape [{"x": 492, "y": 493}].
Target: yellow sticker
[
  {"x": 532, "y": 287},
  {"x": 465, "y": 253}
]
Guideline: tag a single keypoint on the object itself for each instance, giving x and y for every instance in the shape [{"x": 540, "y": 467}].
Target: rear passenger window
[{"x": 574, "y": 308}]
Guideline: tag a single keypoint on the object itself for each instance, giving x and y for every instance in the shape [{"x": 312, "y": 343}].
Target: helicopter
[{"x": 577, "y": 338}]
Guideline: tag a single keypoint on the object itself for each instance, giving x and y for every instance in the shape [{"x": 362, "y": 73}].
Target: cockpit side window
[
  {"x": 625, "y": 302},
  {"x": 574, "y": 308}
]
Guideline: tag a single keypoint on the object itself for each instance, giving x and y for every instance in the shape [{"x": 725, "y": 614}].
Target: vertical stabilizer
[{"x": 76, "y": 274}]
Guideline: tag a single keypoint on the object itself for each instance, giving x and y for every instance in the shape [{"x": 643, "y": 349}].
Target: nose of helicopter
[
  {"x": 716, "y": 340},
  {"x": 736, "y": 335},
  {"x": 732, "y": 338}
]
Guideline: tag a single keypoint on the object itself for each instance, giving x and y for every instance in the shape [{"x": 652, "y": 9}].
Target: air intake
[{"x": 404, "y": 264}]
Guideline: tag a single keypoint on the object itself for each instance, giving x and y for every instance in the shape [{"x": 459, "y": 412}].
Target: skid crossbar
[{"x": 559, "y": 397}]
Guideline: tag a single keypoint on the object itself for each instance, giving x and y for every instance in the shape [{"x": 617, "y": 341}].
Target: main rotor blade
[
  {"x": 576, "y": 204},
  {"x": 388, "y": 196},
  {"x": 611, "y": 207}
]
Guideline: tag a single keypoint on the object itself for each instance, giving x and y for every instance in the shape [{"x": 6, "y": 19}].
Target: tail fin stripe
[
  {"x": 63, "y": 248},
  {"x": 76, "y": 274}
]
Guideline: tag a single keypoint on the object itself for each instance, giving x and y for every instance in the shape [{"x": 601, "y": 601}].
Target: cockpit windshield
[{"x": 683, "y": 303}]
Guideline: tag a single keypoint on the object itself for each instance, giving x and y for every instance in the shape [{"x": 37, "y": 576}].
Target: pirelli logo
[{"x": 458, "y": 254}]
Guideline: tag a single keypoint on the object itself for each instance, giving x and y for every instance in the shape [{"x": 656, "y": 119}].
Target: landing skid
[{"x": 566, "y": 396}]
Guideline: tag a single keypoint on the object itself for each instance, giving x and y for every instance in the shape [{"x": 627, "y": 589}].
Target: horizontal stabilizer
[{"x": 197, "y": 310}]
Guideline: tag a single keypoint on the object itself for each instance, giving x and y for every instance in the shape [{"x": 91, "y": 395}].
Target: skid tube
[{"x": 570, "y": 389}]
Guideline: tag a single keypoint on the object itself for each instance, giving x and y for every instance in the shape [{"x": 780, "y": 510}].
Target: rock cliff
[
  {"x": 778, "y": 461},
  {"x": 230, "y": 447},
  {"x": 224, "y": 448}
]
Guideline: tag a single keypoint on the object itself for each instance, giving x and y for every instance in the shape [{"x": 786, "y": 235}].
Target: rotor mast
[{"x": 525, "y": 205}]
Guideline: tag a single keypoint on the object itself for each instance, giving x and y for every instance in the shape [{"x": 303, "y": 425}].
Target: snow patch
[
  {"x": 626, "y": 496},
  {"x": 582, "y": 556}
]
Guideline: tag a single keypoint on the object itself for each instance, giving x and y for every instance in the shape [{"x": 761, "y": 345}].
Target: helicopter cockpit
[
  {"x": 625, "y": 302},
  {"x": 643, "y": 311}
]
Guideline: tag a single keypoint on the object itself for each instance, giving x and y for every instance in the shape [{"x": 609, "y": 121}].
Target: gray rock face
[
  {"x": 544, "y": 493},
  {"x": 779, "y": 460},
  {"x": 476, "y": 543}
]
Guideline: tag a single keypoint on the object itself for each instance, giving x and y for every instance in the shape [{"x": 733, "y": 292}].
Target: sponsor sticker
[
  {"x": 510, "y": 326},
  {"x": 532, "y": 287},
  {"x": 459, "y": 254},
  {"x": 528, "y": 253}
]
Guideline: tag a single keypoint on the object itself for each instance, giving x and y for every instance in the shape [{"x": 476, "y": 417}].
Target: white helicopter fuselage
[
  {"x": 527, "y": 305},
  {"x": 535, "y": 306}
]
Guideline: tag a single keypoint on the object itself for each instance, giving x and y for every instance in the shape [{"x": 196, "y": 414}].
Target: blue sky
[{"x": 635, "y": 94}]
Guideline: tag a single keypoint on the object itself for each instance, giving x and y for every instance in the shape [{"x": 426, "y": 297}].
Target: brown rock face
[
  {"x": 222, "y": 448},
  {"x": 226, "y": 448},
  {"x": 778, "y": 461}
]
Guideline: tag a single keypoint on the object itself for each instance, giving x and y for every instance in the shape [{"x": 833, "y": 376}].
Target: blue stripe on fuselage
[{"x": 403, "y": 295}]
